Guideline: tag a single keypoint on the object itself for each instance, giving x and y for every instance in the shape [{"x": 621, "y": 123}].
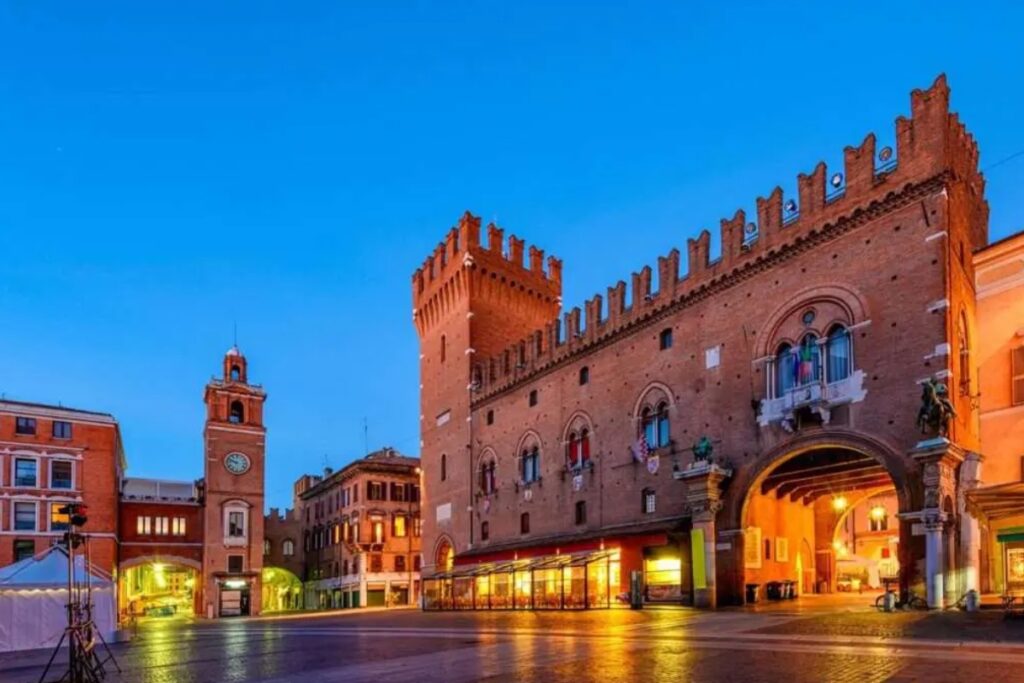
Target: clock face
[{"x": 236, "y": 463}]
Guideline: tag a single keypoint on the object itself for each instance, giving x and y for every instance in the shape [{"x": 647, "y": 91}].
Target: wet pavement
[{"x": 817, "y": 642}]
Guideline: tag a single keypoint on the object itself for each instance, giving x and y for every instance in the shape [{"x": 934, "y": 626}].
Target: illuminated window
[
  {"x": 417, "y": 526},
  {"x": 288, "y": 548},
  {"x": 162, "y": 526},
  {"x": 59, "y": 521},
  {"x": 178, "y": 526},
  {"x": 399, "y": 527},
  {"x": 144, "y": 525},
  {"x": 378, "y": 531}
]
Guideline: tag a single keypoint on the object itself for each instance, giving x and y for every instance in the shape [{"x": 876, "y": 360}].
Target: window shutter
[{"x": 1017, "y": 371}]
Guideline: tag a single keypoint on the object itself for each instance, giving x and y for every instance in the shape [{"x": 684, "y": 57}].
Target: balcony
[{"x": 819, "y": 397}]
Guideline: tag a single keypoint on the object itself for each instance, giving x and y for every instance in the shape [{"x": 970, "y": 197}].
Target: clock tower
[{"x": 234, "y": 442}]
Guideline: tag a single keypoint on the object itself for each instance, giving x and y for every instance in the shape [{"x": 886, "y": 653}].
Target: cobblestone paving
[{"x": 617, "y": 645}]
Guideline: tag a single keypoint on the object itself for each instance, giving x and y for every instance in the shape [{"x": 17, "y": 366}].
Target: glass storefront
[{"x": 574, "y": 581}]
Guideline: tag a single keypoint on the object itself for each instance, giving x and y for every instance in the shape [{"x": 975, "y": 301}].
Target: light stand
[{"x": 85, "y": 664}]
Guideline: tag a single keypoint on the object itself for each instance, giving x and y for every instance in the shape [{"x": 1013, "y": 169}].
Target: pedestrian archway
[
  {"x": 821, "y": 519},
  {"x": 159, "y": 587},
  {"x": 282, "y": 590}
]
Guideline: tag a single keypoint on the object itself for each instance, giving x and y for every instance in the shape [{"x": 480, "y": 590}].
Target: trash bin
[
  {"x": 773, "y": 590},
  {"x": 752, "y": 592}
]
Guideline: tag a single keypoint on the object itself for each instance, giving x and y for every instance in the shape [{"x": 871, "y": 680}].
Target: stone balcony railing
[{"x": 819, "y": 397}]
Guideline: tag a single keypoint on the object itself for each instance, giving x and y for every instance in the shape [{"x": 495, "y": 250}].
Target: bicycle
[{"x": 913, "y": 601}]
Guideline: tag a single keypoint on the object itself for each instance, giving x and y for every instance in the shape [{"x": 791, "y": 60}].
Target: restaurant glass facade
[{"x": 573, "y": 581}]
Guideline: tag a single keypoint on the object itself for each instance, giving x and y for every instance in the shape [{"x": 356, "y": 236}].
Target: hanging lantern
[
  {"x": 839, "y": 503},
  {"x": 878, "y": 512}
]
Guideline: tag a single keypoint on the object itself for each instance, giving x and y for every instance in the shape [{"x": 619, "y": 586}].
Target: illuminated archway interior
[
  {"x": 160, "y": 589},
  {"x": 282, "y": 590},
  {"x": 824, "y": 521}
]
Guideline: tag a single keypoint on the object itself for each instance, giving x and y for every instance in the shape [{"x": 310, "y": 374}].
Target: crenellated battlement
[
  {"x": 461, "y": 264},
  {"x": 932, "y": 147}
]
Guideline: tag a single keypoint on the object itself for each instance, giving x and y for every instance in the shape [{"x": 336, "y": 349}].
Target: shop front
[{"x": 581, "y": 580}]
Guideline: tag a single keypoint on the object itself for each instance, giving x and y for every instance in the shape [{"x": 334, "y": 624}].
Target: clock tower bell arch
[{"x": 234, "y": 443}]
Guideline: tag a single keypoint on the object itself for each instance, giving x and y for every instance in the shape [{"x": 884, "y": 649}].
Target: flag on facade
[{"x": 640, "y": 449}]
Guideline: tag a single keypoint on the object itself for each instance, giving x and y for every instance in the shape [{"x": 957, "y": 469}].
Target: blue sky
[{"x": 169, "y": 169}]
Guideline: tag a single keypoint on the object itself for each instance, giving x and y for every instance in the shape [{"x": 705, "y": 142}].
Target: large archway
[
  {"x": 282, "y": 590},
  {"x": 159, "y": 587},
  {"x": 821, "y": 517}
]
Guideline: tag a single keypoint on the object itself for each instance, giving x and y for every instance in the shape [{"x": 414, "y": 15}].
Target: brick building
[
  {"x": 361, "y": 532},
  {"x": 50, "y": 456},
  {"x": 283, "y": 560},
  {"x": 712, "y": 429}
]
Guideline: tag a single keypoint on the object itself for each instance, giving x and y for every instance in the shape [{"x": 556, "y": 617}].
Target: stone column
[
  {"x": 939, "y": 459},
  {"x": 970, "y": 532},
  {"x": 934, "y": 578},
  {"x": 704, "y": 498}
]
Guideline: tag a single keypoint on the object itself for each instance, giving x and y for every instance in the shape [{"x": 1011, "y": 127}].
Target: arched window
[
  {"x": 530, "y": 463},
  {"x": 584, "y": 375},
  {"x": 444, "y": 467},
  {"x": 236, "y": 414},
  {"x": 445, "y": 558},
  {"x": 809, "y": 360},
  {"x": 236, "y": 373},
  {"x": 288, "y": 548},
  {"x": 785, "y": 372},
  {"x": 654, "y": 425},
  {"x": 488, "y": 483},
  {"x": 577, "y": 449},
  {"x": 839, "y": 365}
]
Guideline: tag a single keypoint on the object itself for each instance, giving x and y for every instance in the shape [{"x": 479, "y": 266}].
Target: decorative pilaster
[
  {"x": 704, "y": 498},
  {"x": 939, "y": 458}
]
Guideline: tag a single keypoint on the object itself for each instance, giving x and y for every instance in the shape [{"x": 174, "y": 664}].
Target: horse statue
[
  {"x": 936, "y": 409},
  {"x": 702, "y": 450}
]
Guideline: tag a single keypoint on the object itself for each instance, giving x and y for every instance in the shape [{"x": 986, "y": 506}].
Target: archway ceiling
[{"x": 817, "y": 473}]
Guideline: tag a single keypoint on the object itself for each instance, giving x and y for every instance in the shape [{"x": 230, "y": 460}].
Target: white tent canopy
[{"x": 34, "y": 596}]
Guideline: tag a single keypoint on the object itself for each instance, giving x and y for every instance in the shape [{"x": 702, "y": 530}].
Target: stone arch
[
  {"x": 444, "y": 549},
  {"x": 646, "y": 397},
  {"x": 748, "y": 478},
  {"x": 163, "y": 559},
  {"x": 529, "y": 438},
  {"x": 848, "y": 301},
  {"x": 578, "y": 420}
]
